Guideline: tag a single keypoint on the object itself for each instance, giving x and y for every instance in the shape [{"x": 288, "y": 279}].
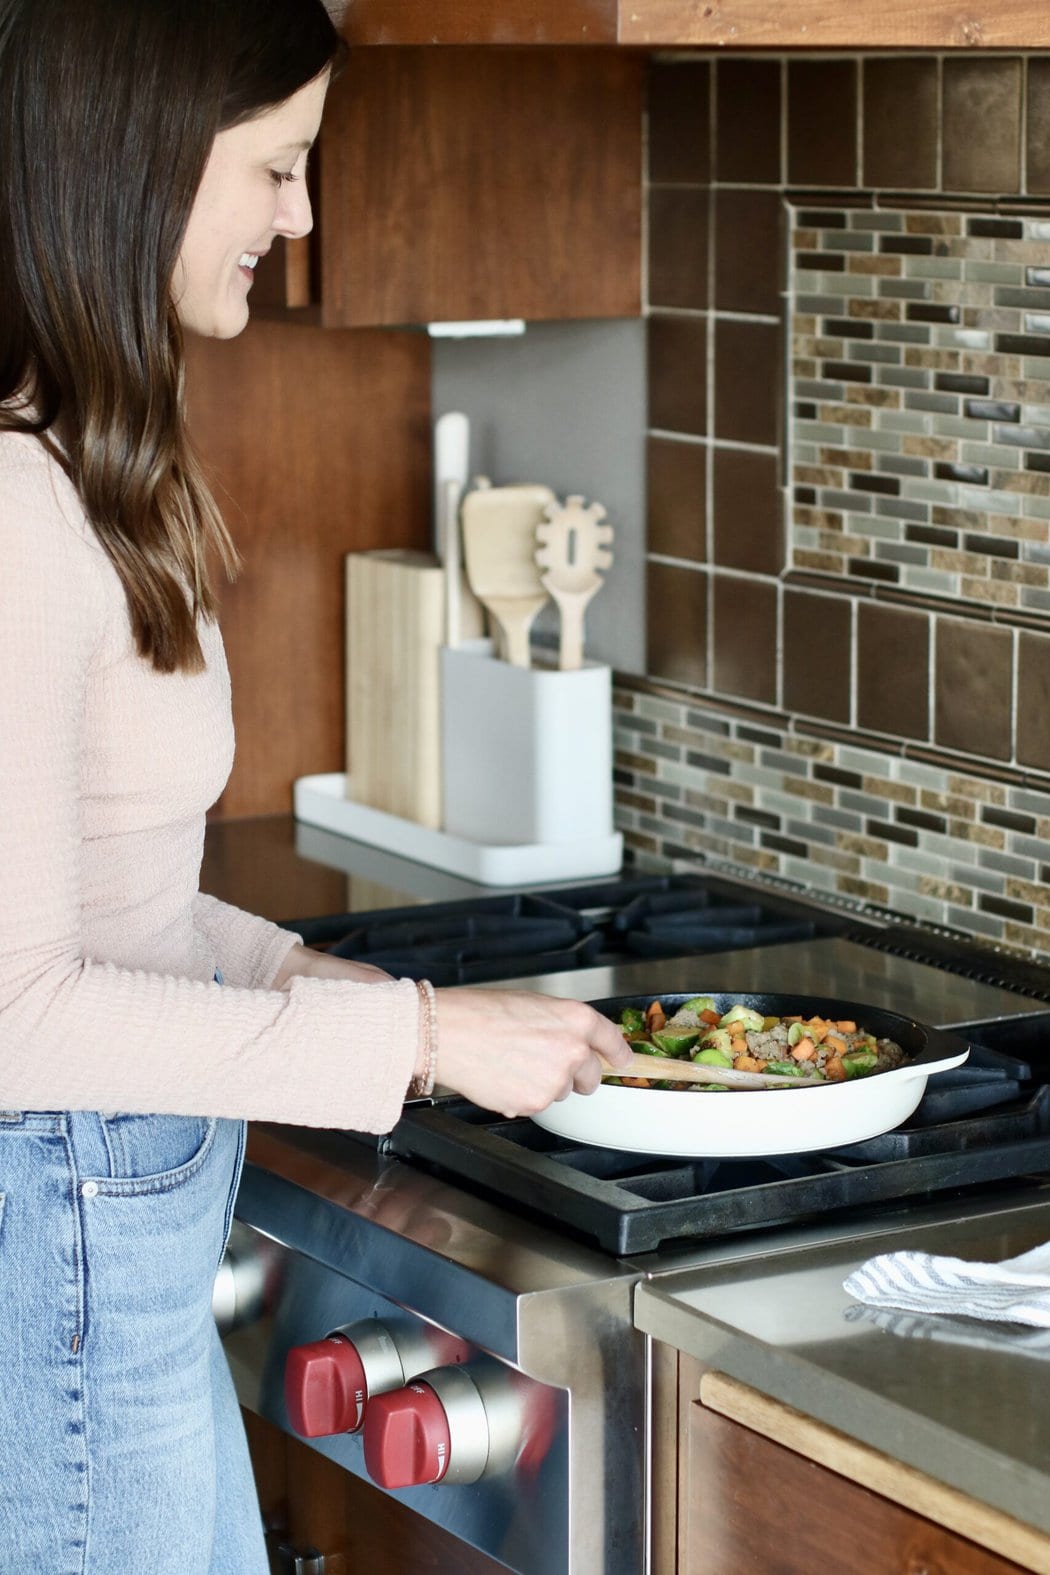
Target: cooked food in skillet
[{"x": 813, "y": 1049}]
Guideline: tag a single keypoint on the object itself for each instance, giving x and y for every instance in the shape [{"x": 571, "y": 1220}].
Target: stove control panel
[
  {"x": 452, "y": 1424},
  {"x": 329, "y": 1383},
  {"x": 395, "y": 1395}
]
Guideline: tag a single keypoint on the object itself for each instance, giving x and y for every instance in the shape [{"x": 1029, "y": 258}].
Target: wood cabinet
[
  {"x": 308, "y": 1502},
  {"x": 747, "y": 1483},
  {"x": 737, "y": 24},
  {"x": 471, "y": 184}
]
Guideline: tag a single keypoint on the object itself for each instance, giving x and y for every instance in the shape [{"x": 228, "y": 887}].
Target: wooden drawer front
[{"x": 751, "y": 1505}]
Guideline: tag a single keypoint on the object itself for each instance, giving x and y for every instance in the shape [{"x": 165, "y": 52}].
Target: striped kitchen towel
[
  {"x": 1014, "y": 1291},
  {"x": 954, "y": 1331}
]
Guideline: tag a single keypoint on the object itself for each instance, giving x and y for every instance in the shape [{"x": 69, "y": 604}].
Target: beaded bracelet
[{"x": 423, "y": 1085}]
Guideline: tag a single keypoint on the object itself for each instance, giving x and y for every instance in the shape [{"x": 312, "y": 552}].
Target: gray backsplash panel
[{"x": 565, "y": 404}]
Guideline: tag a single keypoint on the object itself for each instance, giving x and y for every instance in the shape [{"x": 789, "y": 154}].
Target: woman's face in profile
[{"x": 253, "y": 189}]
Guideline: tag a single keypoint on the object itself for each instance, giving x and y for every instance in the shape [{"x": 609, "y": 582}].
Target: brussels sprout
[
  {"x": 858, "y": 1063},
  {"x": 713, "y": 1058},
  {"x": 789, "y": 1069},
  {"x": 717, "y": 1039},
  {"x": 699, "y": 1003},
  {"x": 675, "y": 1041},
  {"x": 748, "y": 1019},
  {"x": 632, "y": 1020}
]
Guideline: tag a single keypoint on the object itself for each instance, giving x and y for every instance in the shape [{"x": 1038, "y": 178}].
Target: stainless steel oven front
[{"x": 476, "y": 1366}]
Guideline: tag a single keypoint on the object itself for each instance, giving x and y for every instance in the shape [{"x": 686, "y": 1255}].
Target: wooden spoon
[
  {"x": 661, "y": 1069},
  {"x": 498, "y": 527},
  {"x": 574, "y": 546}
]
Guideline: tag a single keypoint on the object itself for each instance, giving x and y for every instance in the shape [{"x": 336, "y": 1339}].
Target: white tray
[{"x": 322, "y": 801}]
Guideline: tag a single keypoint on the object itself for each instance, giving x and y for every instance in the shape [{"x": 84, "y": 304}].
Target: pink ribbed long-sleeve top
[{"x": 108, "y": 951}]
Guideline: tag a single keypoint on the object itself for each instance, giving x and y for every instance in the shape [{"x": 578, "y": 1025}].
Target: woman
[{"x": 150, "y": 152}]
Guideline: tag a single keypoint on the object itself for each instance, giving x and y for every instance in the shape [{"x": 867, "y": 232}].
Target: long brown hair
[{"x": 108, "y": 110}]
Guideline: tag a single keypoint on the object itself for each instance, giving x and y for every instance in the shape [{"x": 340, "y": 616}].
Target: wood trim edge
[{"x": 904, "y": 1484}]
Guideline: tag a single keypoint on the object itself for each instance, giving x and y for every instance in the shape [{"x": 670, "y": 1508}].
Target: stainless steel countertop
[{"x": 960, "y": 1400}]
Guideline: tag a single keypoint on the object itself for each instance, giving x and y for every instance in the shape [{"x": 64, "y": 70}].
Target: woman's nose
[{"x": 294, "y": 216}]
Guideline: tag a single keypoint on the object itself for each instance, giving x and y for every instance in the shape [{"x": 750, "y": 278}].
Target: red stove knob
[
  {"x": 329, "y": 1384},
  {"x": 325, "y": 1388},
  {"x": 408, "y": 1441},
  {"x": 451, "y": 1424}
]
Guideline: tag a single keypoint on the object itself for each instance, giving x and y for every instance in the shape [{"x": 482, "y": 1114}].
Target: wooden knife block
[{"x": 394, "y": 631}]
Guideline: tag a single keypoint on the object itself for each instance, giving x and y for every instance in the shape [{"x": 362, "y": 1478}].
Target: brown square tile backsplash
[
  {"x": 849, "y": 484},
  {"x": 822, "y": 123},
  {"x": 747, "y": 136},
  {"x": 678, "y": 248},
  {"x": 817, "y": 642},
  {"x": 747, "y": 381},
  {"x": 747, "y": 511},
  {"x": 677, "y": 492},
  {"x": 974, "y": 688},
  {"x": 749, "y": 269},
  {"x": 676, "y": 624},
  {"x": 897, "y": 93},
  {"x": 893, "y": 657},
  {"x": 744, "y": 614},
  {"x": 678, "y": 374},
  {"x": 982, "y": 124},
  {"x": 680, "y": 121},
  {"x": 1037, "y": 127}
]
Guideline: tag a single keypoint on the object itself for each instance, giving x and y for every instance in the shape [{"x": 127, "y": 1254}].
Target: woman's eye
[{"x": 280, "y": 176}]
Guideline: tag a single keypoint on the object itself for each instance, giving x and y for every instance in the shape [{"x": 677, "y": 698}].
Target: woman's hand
[
  {"x": 516, "y": 1052},
  {"x": 304, "y": 961}
]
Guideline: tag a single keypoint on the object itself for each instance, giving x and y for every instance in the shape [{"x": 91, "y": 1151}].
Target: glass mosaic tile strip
[{"x": 961, "y": 303}]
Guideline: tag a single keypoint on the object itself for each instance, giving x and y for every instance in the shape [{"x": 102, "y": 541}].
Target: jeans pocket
[{"x": 154, "y": 1153}]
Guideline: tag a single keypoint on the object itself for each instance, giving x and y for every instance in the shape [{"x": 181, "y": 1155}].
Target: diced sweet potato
[
  {"x": 834, "y": 1069},
  {"x": 655, "y": 1017},
  {"x": 805, "y": 1050},
  {"x": 748, "y": 1063}
]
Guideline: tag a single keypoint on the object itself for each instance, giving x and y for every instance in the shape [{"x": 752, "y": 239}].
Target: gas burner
[{"x": 995, "y": 1110}]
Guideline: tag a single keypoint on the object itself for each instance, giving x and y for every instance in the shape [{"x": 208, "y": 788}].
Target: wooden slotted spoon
[
  {"x": 574, "y": 546},
  {"x": 498, "y": 526}
]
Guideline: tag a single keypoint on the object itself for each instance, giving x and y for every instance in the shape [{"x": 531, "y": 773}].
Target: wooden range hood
[{"x": 733, "y": 24}]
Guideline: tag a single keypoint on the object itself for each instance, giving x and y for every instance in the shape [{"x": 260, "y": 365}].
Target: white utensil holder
[{"x": 526, "y": 751}]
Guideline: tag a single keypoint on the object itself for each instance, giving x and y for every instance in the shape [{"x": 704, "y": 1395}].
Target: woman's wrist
[{"x": 425, "y": 1073}]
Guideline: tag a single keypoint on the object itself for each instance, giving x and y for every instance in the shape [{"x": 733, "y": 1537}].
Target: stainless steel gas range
[{"x": 447, "y": 1311}]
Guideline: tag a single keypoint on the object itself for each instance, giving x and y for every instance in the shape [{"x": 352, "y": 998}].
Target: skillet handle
[{"x": 926, "y": 1068}]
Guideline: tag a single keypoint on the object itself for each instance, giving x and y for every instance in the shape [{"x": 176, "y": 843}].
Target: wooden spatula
[
  {"x": 574, "y": 545},
  {"x": 660, "y": 1069},
  {"x": 498, "y": 527}
]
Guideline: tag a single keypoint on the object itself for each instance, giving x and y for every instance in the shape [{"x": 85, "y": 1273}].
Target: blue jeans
[{"x": 121, "y": 1441}]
